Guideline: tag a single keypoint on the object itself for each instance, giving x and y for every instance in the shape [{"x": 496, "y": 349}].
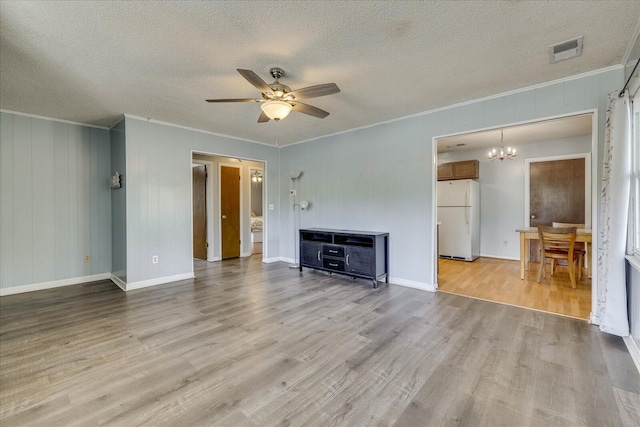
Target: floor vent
[{"x": 565, "y": 50}]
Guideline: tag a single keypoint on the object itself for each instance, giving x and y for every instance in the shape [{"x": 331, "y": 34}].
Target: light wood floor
[
  {"x": 256, "y": 248},
  {"x": 499, "y": 280},
  {"x": 248, "y": 344}
]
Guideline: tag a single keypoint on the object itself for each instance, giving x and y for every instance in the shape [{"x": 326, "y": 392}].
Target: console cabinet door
[
  {"x": 310, "y": 254},
  {"x": 360, "y": 260}
]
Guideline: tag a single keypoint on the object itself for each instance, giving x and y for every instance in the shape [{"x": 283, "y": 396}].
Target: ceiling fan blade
[
  {"x": 309, "y": 109},
  {"x": 233, "y": 100},
  {"x": 316, "y": 91},
  {"x": 255, "y": 80},
  {"x": 263, "y": 118}
]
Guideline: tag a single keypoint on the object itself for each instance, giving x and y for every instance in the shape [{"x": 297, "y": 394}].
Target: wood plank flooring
[
  {"x": 499, "y": 280},
  {"x": 252, "y": 344}
]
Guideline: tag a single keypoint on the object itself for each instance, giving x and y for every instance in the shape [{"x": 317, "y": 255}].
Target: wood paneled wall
[{"x": 55, "y": 202}]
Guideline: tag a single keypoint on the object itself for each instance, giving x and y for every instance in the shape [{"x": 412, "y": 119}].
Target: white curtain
[{"x": 611, "y": 311}]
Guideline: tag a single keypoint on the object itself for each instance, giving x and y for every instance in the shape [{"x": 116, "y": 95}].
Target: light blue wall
[
  {"x": 502, "y": 190},
  {"x": 119, "y": 203},
  {"x": 55, "y": 203},
  {"x": 380, "y": 178},
  {"x": 633, "y": 301},
  {"x": 159, "y": 194}
]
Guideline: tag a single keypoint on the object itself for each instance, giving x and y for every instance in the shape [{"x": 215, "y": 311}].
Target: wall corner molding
[{"x": 118, "y": 281}]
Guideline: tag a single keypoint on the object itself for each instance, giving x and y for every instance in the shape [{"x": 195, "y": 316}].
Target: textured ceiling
[{"x": 90, "y": 62}]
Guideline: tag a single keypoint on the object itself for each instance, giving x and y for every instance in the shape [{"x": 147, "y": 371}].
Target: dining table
[{"x": 531, "y": 233}]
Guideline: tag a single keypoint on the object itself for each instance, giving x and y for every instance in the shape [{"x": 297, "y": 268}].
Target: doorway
[
  {"x": 200, "y": 244},
  {"x": 227, "y": 205},
  {"x": 230, "y": 211},
  {"x": 257, "y": 218},
  {"x": 504, "y": 205},
  {"x": 557, "y": 189}
]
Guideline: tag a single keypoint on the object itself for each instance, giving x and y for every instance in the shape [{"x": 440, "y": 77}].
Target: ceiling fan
[{"x": 278, "y": 100}]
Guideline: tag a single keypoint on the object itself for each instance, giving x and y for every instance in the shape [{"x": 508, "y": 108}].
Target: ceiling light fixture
[
  {"x": 276, "y": 110},
  {"x": 499, "y": 153},
  {"x": 256, "y": 177}
]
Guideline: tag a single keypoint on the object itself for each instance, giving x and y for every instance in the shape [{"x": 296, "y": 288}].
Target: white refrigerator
[{"x": 459, "y": 217}]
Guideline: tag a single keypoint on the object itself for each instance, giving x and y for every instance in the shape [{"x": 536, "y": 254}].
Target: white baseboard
[
  {"x": 118, "y": 281},
  {"x": 158, "y": 281},
  {"x": 413, "y": 284},
  {"x": 593, "y": 319},
  {"x": 500, "y": 257},
  {"x": 634, "y": 350},
  {"x": 277, "y": 259},
  {"x": 53, "y": 284},
  {"x": 214, "y": 258},
  {"x": 246, "y": 254}
]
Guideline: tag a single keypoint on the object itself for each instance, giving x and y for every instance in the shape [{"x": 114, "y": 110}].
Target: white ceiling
[
  {"x": 518, "y": 135},
  {"x": 90, "y": 62}
]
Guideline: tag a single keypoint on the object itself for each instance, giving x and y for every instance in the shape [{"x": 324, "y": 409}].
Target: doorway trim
[
  {"x": 219, "y": 210},
  {"x": 209, "y": 206},
  {"x": 266, "y": 215},
  {"x": 594, "y": 195},
  {"x": 587, "y": 183}
]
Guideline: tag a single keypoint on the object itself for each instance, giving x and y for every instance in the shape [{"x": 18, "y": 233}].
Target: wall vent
[{"x": 565, "y": 50}]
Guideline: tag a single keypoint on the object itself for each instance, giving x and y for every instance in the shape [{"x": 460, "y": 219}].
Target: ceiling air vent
[{"x": 565, "y": 50}]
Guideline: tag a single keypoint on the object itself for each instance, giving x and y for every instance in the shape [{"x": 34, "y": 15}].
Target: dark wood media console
[{"x": 354, "y": 253}]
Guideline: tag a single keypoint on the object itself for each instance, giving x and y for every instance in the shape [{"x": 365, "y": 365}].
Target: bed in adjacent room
[{"x": 256, "y": 229}]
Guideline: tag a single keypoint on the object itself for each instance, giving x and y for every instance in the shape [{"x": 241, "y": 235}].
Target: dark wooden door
[
  {"x": 200, "y": 212},
  {"x": 230, "y": 211},
  {"x": 556, "y": 194}
]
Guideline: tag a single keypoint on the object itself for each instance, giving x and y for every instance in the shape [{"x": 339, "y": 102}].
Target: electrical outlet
[
  {"x": 271, "y": 207},
  {"x": 87, "y": 258},
  {"x": 154, "y": 259},
  {"x": 505, "y": 242}
]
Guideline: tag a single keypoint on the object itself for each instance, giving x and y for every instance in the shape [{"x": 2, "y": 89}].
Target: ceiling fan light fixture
[{"x": 276, "y": 110}]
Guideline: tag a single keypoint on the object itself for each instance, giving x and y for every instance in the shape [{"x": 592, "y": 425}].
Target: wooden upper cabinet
[{"x": 468, "y": 169}]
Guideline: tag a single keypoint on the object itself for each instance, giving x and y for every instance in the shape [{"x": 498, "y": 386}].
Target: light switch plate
[{"x": 271, "y": 207}]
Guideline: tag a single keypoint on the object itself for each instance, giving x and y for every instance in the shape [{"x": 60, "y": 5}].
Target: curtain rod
[{"x": 628, "y": 80}]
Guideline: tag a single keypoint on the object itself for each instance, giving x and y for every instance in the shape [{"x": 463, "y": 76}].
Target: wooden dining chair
[
  {"x": 579, "y": 247},
  {"x": 557, "y": 243}
]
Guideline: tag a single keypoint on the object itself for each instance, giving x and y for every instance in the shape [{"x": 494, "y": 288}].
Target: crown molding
[
  {"x": 473, "y": 101},
  {"x": 52, "y": 119}
]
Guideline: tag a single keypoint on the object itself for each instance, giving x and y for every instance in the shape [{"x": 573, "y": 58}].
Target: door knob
[
  {"x": 533, "y": 217},
  {"x": 224, "y": 217}
]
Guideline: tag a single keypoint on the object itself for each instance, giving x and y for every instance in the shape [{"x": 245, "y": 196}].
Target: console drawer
[
  {"x": 332, "y": 250},
  {"x": 333, "y": 264}
]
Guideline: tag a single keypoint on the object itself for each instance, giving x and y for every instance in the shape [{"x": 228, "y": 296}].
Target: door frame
[
  {"x": 594, "y": 195},
  {"x": 266, "y": 213},
  {"x": 587, "y": 183},
  {"x": 240, "y": 193},
  {"x": 209, "y": 206}
]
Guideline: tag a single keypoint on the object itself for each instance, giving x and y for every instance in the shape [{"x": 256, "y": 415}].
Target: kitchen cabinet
[{"x": 467, "y": 169}]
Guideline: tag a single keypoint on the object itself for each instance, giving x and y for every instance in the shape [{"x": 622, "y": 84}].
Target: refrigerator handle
[{"x": 467, "y": 202}]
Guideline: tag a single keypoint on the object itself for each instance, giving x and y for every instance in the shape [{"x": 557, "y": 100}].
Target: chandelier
[
  {"x": 500, "y": 153},
  {"x": 256, "y": 177}
]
